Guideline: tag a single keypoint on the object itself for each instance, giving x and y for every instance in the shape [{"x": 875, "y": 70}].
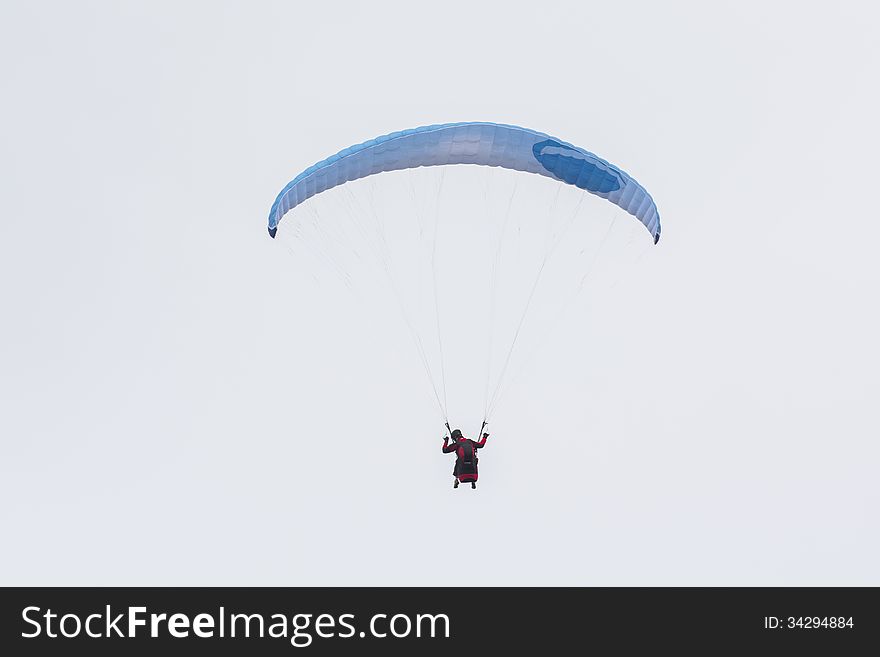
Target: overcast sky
[{"x": 182, "y": 403}]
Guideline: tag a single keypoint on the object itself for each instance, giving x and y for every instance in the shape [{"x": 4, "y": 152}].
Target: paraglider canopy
[{"x": 489, "y": 144}]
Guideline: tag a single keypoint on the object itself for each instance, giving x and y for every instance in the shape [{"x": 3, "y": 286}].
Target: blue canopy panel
[{"x": 489, "y": 144}]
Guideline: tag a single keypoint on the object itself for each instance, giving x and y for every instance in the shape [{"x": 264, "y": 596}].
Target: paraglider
[
  {"x": 466, "y": 460},
  {"x": 476, "y": 143}
]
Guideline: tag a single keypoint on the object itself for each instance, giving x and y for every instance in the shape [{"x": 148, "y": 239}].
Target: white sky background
[{"x": 179, "y": 407}]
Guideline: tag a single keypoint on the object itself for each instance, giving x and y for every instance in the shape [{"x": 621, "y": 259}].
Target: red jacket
[{"x": 458, "y": 447}]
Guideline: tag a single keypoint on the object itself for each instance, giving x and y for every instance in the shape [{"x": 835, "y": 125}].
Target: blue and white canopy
[{"x": 488, "y": 144}]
